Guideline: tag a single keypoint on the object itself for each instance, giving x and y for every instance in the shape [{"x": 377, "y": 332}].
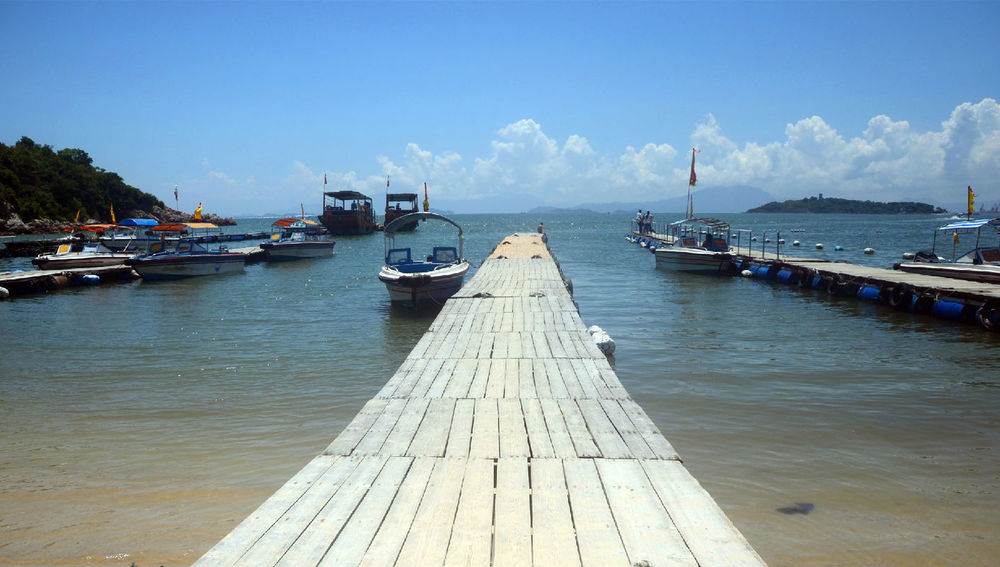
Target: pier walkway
[{"x": 504, "y": 438}]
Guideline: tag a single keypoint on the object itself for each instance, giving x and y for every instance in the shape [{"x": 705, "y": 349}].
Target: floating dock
[
  {"x": 504, "y": 438},
  {"x": 42, "y": 281},
  {"x": 946, "y": 298}
]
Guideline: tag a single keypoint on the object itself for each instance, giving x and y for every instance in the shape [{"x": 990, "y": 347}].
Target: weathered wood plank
[
  {"x": 388, "y": 540},
  {"x": 485, "y": 430},
  {"x": 592, "y": 518},
  {"x": 472, "y": 537},
  {"x": 513, "y": 514},
  {"x": 427, "y": 542},
  {"x": 553, "y": 540}
]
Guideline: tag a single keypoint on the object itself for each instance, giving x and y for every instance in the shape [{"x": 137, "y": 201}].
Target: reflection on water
[{"x": 141, "y": 422}]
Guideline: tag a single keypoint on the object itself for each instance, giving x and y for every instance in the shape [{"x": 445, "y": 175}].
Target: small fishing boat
[
  {"x": 298, "y": 238},
  {"x": 348, "y": 212},
  {"x": 399, "y": 204},
  {"x": 981, "y": 264},
  {"x": 414, "y": 281},
  {"x": 697, "y": 245},
  {"x": 199, "y": 252},
  {"x": 92, "y": 255}
]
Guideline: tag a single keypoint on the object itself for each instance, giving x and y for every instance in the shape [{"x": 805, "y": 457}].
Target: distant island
[{"x": 846, "y": 206}]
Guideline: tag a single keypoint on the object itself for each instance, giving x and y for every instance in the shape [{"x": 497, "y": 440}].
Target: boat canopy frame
[
  {"x": 391, "y": 229},
  {"x": 968, "y": 225}
]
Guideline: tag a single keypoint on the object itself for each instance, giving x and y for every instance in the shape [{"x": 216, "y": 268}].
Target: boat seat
[
  {"x": 445, "y": 254},
  {"x": 688, "y": 241},
  {"x": 990, "y": 255},
  {"x": 397, "y": 256}
]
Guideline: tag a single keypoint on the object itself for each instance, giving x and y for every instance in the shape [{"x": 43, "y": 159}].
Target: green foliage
[
  {"x": 36, "y": 182},
  {"x": 848, "y": 206}
]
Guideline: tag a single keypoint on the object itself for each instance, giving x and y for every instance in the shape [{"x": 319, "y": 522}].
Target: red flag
[
  {"x": 386, "y": 181},
  {"x": 694, "y": 178},
  {"x": 324, "y": 178}
]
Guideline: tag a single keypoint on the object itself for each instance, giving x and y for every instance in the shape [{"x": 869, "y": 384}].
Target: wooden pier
[{"x": 504, "y": 438}]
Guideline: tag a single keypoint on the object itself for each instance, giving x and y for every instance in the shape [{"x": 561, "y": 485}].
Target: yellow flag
[
  {"x": 113, "y": 221},
  {"x": 77, "y": 218},
  {"x": 197, "y": 213},
  {"x": 972, "y": 200},
  {"x": 427, "y": 204}
]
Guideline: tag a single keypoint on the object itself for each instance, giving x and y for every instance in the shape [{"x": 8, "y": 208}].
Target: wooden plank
[
  {"x": 601, "y": 545},
  {"x": 650, "y": 433},
  {"x": 373, "y": 440},
  {"x": 706, "y": 530},
  {"x": 460, "y": 434},
  {"x": 461, "y": 378},
  {"x": 588, "y": 367},
  {"x": 351, "y": 435},
  {"x": 573, "y": 387},
  {"x": 250, "y": 530},
  {"x": 553, "y": 541},
  {"x": 603, "y": 432},
  {"x": 398, "y": 440},
  {"x": 352, "y": 543},
  {"x": 485, "y": 430},
  {"x": 312, "y": 544},
  {"x": 389, "y": 538},
  {"x": 540, "y": 378},
  {"x": 555, "y": 423},
  {"x": 538, "y": 434},
  {"x": 512, "y": 378},
  {"x": 431, "y": 437},
  {"x": 513, "y": 514},
  {"x": 645, "y": 528},
  {"x": 426, "y": 378},
  {"x": 585, "y": 380},
  {"x": 472, "y": 537},
  {"x": 583, "y": 443},
  {"x": 637, "y": 446},
  {"x": 513, "y": 435},
  {"x": 497, "y": 378},
  {"x": 444, "y": 374},
  {"x": 525, "y": 380},
  {"x": 427, "y": 542}
]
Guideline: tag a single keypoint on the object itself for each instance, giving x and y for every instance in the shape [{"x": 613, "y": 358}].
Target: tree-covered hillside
[
  {"x": 37, "y": 182},
  {"x": 848, "y": 206}
]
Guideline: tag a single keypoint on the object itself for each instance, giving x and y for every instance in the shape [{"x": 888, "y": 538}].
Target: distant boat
[
  {"x": 296, "y": 239},
  {"x": 399, "y": 204},
  {"x": 93, "y": 254},
  {"x": 348, "y": 212},
  {"x": 198, "y": 253},
  {"x": 131, "y": 234},
  {"x": 698, "y": 245},
  {"x": 981, "y": 264},
  {"x": 416, "y": 281}
]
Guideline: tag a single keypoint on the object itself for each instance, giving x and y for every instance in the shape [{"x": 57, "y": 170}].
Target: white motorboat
[
  {"x": 296, "y": 239},
  {"x": 193, "y": 256},
  {"x": 981, "y": 264},
  {"x": 697, "y": 245},
  {"x": 434, "y": 279},
  {"x": 132, "y": 235},
  {"x": 93, "y": 254}
]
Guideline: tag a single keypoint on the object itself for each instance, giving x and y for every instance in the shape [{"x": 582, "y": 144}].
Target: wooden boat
[
  {"x": 348, "y": 212},
  {"x": 399, "y": 204},
  {"x": 698, "y": 245},
  {"x": 981, "y": 264},
  {"x": 415, "y": 281},
  {"x": 298, "y": 238},
  {"x": 92, "y": 255}
]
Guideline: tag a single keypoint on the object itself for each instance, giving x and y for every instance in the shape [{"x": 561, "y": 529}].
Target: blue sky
[{"x": 505, "y": 106}]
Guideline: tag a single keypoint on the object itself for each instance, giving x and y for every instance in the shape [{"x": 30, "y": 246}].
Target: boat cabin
[
  {"x": 705, "y": 233},
  {"x": 348, "y": 212},
  {"x": 399, "y": 204}
]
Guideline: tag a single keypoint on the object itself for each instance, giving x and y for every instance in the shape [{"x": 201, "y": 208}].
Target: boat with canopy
[{"x": 434, "y": 279}]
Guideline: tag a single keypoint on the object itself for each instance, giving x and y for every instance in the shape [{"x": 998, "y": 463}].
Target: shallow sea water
[{"x": 140, "y": 422}]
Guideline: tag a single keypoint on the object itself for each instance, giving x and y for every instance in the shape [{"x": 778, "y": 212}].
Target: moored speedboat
[
  {"x": 981, "y": 264},
  {"x": 435, "y": 279},
  {"x": 92, "y": 255},
  {"x": 698, "y": 245},
  {"x": 190, "y": 259},
  {"x": 132, "y": 235},
  {"x": 298, "y": 238}
]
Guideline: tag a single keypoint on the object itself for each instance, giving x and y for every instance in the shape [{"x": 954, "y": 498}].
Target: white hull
[
  {"x": 73, "y": 260},
  {"x": 181, "y": 266},
  {"x": 987, "y": 273},
  {"x": 692, "y": 260},
  {"x": 437, "y": 285},
  {"x": 297, "y": 250}
]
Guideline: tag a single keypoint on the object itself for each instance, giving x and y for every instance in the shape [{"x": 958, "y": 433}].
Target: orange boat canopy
[{"x": 290, "y": 221}]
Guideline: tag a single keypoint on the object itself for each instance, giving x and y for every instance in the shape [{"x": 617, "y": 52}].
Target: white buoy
[
  {"x": 767, "y": 241},
  {"x": 909, "y": 255},
  {"x": 746, "y": 274},
  {"x": 838, "y": 247},
  {"x": 869, "y": 251},
  {"x": 603, "y": 340},
  {"x": 819, "y": 246},
  {"x": 4, "y": 294},
  {"x": 795, "y": 243}
]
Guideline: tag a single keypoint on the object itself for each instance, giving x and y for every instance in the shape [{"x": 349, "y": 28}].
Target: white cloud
[{"x": 889, "y": 160}]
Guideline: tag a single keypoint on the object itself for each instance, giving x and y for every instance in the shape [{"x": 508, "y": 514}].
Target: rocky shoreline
[{"x": 13, "y": 225}]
